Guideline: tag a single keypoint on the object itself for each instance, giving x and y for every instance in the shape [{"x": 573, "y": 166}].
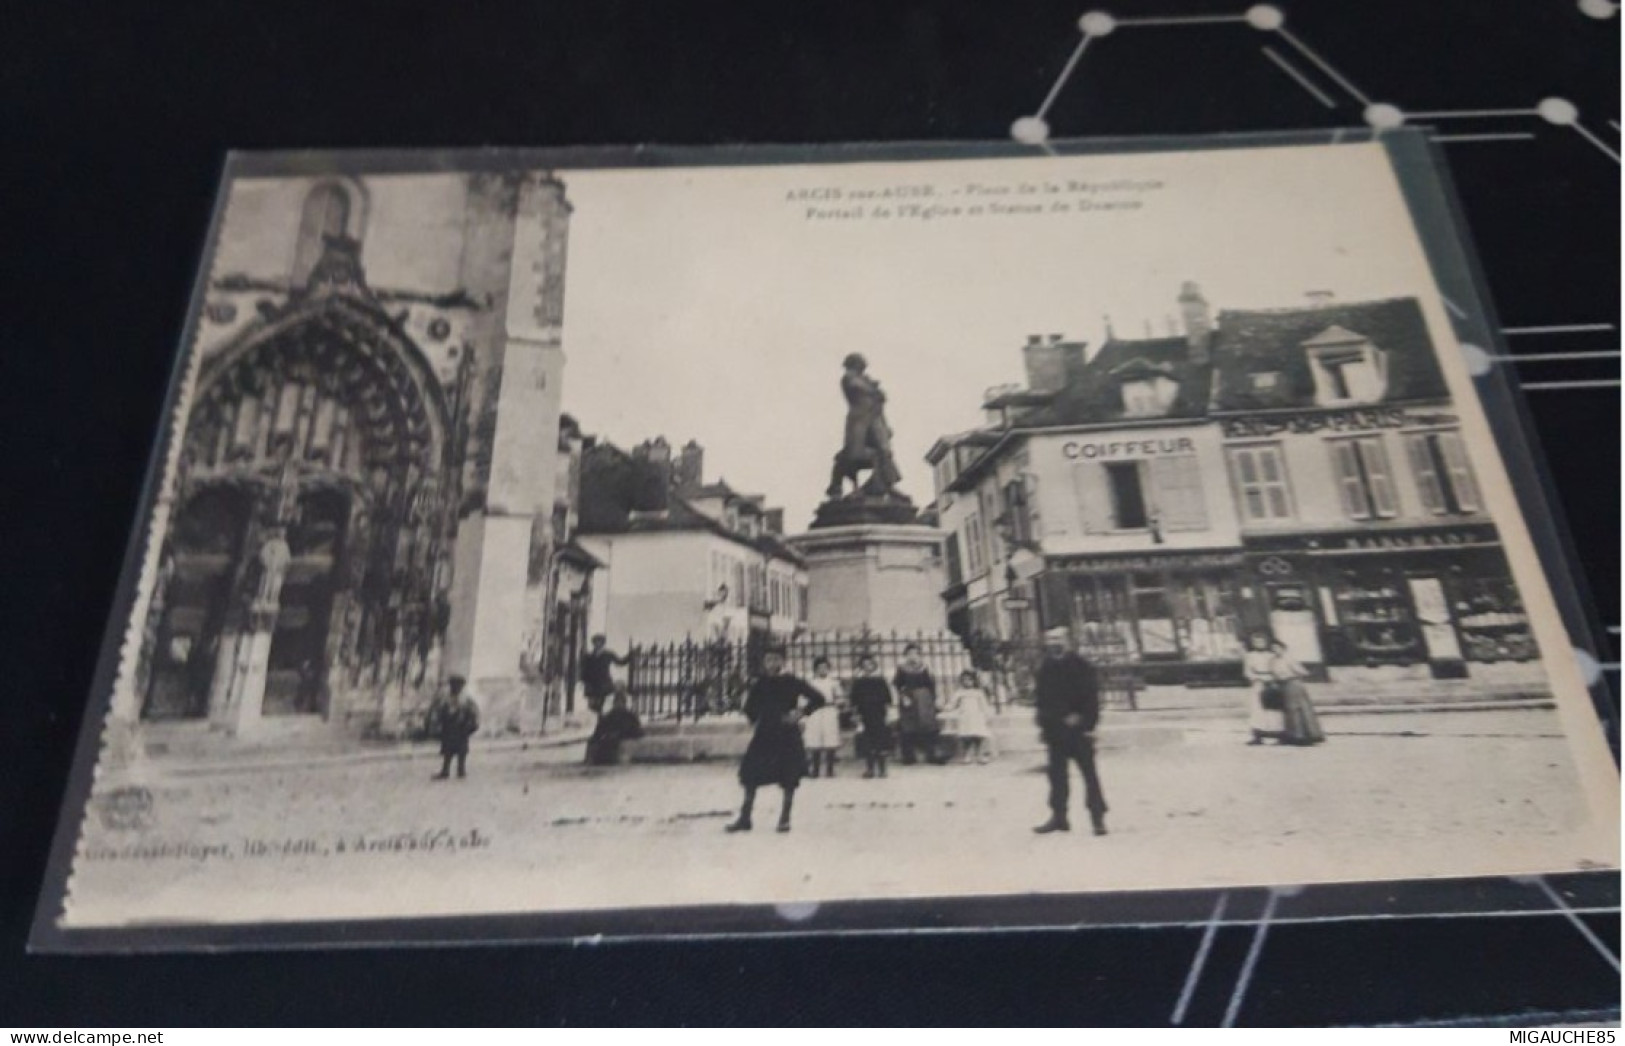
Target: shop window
[
  {"x": 1260, "y": 477},
  {"x": 1125, "y": 482},
  {"x": 1364, "y": 479},
  {"x": 1443, "y": 475}
]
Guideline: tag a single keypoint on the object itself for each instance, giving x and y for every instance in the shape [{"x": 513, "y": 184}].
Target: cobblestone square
[{"x": 530, "y": 829}]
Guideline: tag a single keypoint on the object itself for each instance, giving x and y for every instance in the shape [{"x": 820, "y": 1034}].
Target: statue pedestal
[{"x": 886, "y": 577}]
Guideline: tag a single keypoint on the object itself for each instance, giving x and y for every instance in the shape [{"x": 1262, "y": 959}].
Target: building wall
[
  {"x": 1313, "y": 481},
  {"x": 1069, "y": 471},
  {"x": 654, "y": 587}
]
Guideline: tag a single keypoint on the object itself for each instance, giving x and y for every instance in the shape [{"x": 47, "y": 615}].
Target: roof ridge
[{"x": 1327, "y": 306}]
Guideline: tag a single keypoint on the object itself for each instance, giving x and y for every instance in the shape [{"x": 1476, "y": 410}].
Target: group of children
[{"x": 905, "y": 712}]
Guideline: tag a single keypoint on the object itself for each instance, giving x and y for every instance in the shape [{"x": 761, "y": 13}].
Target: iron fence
[{"x": 690, "y": 679}]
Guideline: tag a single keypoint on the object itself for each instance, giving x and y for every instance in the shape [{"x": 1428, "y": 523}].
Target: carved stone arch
[
  {"x": 325, "y": 403},
  {"x": 341, "y": 346}
]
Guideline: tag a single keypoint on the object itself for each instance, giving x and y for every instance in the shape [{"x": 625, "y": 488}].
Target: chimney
[
  {"x": 1046, "y": 363},
  {"x": 652, "y": 479},
  {"x": 1320, "y": 299},
  {"x": 689, "y": 473},
  {"x": 1198, "y": 320}
]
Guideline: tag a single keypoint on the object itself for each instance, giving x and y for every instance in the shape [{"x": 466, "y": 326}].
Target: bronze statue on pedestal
[{"x": 868, "y": 436}]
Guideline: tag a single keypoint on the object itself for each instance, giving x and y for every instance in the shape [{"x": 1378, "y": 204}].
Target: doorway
[
  {"x": 296, "y": 669},
  {"x": 206, "y": 555}
]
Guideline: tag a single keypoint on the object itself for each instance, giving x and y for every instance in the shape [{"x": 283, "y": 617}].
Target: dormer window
[
  {"x": 1149, "y": 397},
  {"x": 1266, "y": 381},
  {"x": 1347, "y": 368}
]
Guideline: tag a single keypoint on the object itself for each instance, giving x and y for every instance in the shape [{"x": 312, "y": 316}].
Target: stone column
[
  {"x": 494, "y": 545},
  {"x": 239, "y": 686}
]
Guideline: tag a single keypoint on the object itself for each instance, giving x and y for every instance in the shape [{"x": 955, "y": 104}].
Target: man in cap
[
  {"x": 454, "y": 719},
  {"x": 1068, "y": 699}
]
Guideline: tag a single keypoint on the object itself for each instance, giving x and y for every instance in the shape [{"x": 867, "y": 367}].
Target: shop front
[
  {"x": 1433, "y": 601},
  {"x": 1177, "y": 616}
]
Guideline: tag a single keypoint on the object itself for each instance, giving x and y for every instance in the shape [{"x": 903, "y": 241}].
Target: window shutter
[
  {"x": 1461, "y": 472},
  {"x": 1427, "y": 478},
  {"x": 1094, "y": 500},
  {"x": 1177, "y": 484},
  {"x": 1348, "y": 480},
  {"x": 1245, "y": 469},
  {"x": 1376, "y": 470}
]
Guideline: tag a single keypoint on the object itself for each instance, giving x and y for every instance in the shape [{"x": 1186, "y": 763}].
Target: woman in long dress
[
  {"x": 1300, "y": 723},
  {"x": 822, "y": 735},
  {"x": 1259, "y": 665},
  {"x": 775, "y": 756}
]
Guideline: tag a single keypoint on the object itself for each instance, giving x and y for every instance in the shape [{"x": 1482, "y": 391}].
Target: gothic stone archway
[{"x": 306, "y": 569}]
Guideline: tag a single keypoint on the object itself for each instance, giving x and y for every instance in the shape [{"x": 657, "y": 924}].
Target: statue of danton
[{"x": 868, "y": 437}]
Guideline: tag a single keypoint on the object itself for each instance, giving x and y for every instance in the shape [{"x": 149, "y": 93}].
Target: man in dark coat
[
  {"x": 454, "y": 720},
  {"x": 597, "y": 676},
  {"x": 775, "y": 706},
  {"x": 1068, "y": 699}
]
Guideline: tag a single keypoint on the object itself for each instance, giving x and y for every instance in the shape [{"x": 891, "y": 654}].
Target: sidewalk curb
[{"x": 373, "y": 752}]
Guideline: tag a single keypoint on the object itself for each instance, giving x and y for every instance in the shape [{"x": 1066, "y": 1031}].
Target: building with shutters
[
  {"x": 1295, "y": 469},
  {"x": 681, "y": 559},
  {"x": 1368, "y": 547}
]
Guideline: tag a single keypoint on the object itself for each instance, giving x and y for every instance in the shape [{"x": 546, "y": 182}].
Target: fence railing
[{"x": 690, "y": 679}]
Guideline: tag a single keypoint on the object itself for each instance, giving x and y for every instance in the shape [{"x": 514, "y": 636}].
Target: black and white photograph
[{"x": 539, "y": 539}]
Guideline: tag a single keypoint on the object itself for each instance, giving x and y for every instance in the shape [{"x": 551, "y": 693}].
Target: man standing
[
  {"x": 597, "y": 678},
  {"x": 1068, "y": 698},
  {"x": 454, "y": 719}
]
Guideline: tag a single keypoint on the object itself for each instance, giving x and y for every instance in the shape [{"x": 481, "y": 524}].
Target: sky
[{"x": 709, "y": 304}]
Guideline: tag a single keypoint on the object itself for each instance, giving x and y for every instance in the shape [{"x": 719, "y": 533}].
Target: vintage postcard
[{"x": 533, "y": 539}]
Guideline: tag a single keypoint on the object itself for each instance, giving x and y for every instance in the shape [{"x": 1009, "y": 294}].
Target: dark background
[{"x": 115, "y": 120}]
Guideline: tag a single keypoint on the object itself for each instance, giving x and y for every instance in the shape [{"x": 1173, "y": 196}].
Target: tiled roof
[
  {"x": 617, "y": 497},
  {"x": 1245, "y": 342},
  {"x": 1258, "y": 341},
  {"x": 1097, "y": 397}
]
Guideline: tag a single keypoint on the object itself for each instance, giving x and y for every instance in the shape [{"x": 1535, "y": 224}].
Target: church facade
[{"x": 366, "y": 445}]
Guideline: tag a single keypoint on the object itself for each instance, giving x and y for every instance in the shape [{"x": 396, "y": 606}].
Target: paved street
[{"x": 1450, "y": 793}]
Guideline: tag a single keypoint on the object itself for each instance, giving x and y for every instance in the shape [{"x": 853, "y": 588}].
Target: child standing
[
  {"x": 974, "y": 715},
  {"x": 872, "y": 701},
  {"x": 822, "y": 733}
]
